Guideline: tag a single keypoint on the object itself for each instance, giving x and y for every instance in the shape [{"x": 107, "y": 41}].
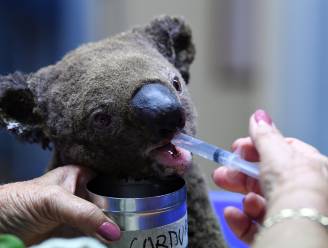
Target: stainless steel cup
[{"x": 151, "y": 214}]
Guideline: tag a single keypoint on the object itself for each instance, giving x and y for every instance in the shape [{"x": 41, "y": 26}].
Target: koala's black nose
[{"x": 159, "y": 109}]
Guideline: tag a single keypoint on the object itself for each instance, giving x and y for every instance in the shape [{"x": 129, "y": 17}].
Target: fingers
[
  {"x": 246, "y": 149},
  {"x": 270, "y": 144},
  {"x": 74, "y": 211},
  {"x": 266, "y": 139},
  {"x": 243, "y": 224},
  {"x": 254, "y": 206},
  {"x": 69, "y": 209},
  {"x": 70, "y": 177},
  {"x": 235, "y": 181}
]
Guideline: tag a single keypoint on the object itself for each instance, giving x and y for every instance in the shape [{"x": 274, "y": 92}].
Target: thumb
[
  {"x": 69, "y": 209},
  {"x": 268, "y": 141}
]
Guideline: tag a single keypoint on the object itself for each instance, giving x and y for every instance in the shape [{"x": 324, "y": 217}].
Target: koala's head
[{"x": 113, "y": 105}]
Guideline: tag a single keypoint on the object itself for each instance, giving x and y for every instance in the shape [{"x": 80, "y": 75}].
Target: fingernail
[
  {"x": 261, "y": 115},
  {"x": 109, "y": 231}
]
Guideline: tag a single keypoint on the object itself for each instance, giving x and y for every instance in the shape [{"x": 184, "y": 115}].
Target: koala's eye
[
  {"x": 101, "y": 120},
  {"x": 176, "y": 84}
]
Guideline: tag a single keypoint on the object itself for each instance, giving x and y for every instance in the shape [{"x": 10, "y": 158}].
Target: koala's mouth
[{"x": 172, "y": 158}]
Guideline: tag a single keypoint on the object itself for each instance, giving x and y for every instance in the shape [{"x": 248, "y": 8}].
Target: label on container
[{"x": 174, "y": 235}]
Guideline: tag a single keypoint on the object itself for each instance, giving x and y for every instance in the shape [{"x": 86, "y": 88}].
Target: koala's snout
[{"x": 159, "y": 109}]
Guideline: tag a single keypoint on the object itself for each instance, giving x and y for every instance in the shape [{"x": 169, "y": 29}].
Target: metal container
[{"x": 151, "y": 214}]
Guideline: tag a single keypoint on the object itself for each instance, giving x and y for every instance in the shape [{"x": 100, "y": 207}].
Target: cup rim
[{"x": 159, "y": 202}]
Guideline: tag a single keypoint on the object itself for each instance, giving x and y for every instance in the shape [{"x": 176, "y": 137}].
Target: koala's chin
[{"x": 155, "y": 162}]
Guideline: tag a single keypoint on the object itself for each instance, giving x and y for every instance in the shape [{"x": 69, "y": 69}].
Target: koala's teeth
[
  {"x": 174, "y": 152},
  {"x": 172, "y": 158},
  {"x": 171, "y": 149}
]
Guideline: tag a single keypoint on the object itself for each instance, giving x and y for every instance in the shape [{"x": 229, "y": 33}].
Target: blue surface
[{"x": 220, "y": 200}]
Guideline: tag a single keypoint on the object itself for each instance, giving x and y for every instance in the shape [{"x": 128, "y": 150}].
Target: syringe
[{"x": 216, "y": 154}]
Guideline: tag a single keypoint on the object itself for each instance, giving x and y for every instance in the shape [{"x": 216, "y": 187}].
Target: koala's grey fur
[{"x": 55, "y": 106}]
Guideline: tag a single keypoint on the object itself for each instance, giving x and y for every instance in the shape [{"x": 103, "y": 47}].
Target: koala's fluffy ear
[
  {"x": 172, "y": 37},
  {"x": 17, "y": 109}
]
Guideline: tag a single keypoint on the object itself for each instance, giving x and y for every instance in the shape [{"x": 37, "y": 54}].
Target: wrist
[
  {"x": 294, "y": 195},
  {"x": 300, "y": 182}
]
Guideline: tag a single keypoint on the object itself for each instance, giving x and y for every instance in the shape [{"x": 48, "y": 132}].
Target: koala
[{"x": 114, "y": 106}]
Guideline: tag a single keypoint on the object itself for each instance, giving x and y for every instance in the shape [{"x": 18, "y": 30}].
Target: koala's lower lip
[{"x": 172, "y": 157}]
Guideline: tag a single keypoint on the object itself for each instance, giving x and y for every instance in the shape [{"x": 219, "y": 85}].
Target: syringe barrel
[
  {"x": 248, "y": 168},
  {"x": 234, "y": 161},
  {"x": 216, "y": 154}
]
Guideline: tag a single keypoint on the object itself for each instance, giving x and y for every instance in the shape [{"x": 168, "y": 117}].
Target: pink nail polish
[
  {"x": 109, "y": 231},
  {"x": 261, "y": 115}
]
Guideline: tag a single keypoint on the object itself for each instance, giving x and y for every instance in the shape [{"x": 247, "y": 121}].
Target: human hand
[
  {"x": 283, "y": 164},
  {"x": 33, "y": 209}
]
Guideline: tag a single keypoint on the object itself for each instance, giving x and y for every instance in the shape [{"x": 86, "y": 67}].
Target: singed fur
[{"x": 56, "y": 104}]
